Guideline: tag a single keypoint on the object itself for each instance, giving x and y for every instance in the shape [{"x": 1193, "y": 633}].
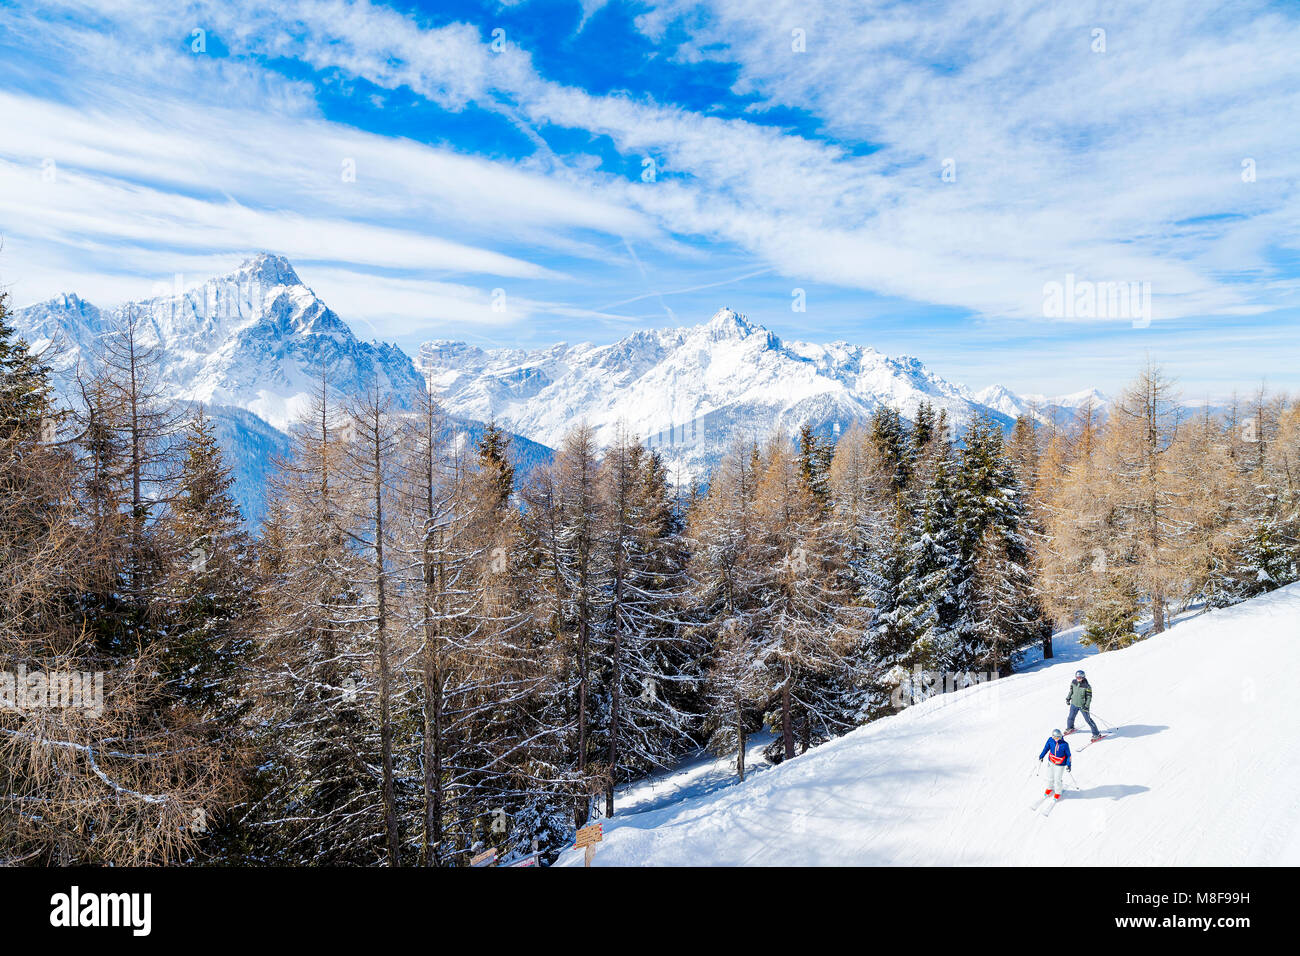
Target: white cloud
[
  {"x": 1067, "y": 160},
  {"x": 412, "y": 308}
]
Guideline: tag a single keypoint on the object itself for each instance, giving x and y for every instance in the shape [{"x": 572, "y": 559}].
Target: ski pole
[
  {"x": 1070, "y": 773},
  {"x": 1103, "y": 720}
]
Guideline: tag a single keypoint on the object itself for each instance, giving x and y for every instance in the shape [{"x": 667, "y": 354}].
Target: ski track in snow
[{"x": 1190, "y": 778}]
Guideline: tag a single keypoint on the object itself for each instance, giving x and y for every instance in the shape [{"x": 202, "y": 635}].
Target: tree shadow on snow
[{"x": 1114, "y": 791}]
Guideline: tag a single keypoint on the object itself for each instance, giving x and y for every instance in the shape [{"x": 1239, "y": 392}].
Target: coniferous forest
[{"x": 422, "y": 652}]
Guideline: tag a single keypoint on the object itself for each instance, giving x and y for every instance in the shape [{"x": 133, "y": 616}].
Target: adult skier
[
  {"x": 1057, "y": 752},
  {"x": 1079, "y": 697}
]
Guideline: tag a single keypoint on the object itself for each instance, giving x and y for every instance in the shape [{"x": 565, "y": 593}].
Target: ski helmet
[
  {"x": 1057, "y": 732},
  {"x": 1078, "y": 674}
]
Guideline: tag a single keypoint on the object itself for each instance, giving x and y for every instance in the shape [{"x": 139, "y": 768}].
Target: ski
[
  {"x": 1048, "y": 807},
  {"x": 1038, "y": 804},
  {"x": 1108, "y": 733}
]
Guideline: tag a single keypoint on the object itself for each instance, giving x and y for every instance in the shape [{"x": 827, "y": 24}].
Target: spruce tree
[
  {"x": 208, "y": 591},
  {"x": 567, "y": 526},
  {"x": 928, "y": 595},
  {"x": 893, "y": 447},
  {"x": 646, "y": 664},
  {"x": 1000, "y": 614}
]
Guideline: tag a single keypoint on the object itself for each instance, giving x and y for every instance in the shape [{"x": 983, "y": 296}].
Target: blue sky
[{"x": 921, "y": 171}]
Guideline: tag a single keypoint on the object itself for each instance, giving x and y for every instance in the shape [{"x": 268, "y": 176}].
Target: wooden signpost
[
  {"x": 486, "y": 858},
  {"x": 588, "y": 837}
]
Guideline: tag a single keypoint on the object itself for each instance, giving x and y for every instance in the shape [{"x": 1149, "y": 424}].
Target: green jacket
[{"x": 1080, "y": 694}]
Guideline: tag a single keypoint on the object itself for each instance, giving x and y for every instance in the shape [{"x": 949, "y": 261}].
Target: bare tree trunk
[
  {"x": 787, "y": 731},
  {"x": 584, "y": 518},
  {"x": 740, "y": 739},
  {"x": 433, "y": 678},
  {"x": 622, "y": 490},
  {"x": 385, "y": 677},
  {"x": 137, "y": 500},
  {"x": 432, "y": 757},
  {"x": 613, "y": 729},
  {"x": 371, "y": 416},
  {"x": 433, "y": 748},
  {"x": 581, "y": 810}
]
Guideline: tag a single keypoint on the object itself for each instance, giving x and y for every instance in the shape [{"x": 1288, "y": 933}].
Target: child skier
[
  {"x": 1057, "y": 752},
  {"x": 1079, "y": 697}
]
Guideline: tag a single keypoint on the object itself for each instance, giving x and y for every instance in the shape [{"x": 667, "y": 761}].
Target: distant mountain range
[
  {"x": 1060, "y": 408},
  {"x": 253, "y": 345},
  {"x": 688, "y": 391}
]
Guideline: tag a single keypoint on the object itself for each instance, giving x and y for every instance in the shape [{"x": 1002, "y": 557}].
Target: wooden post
[{"x": 587, "y": 838}]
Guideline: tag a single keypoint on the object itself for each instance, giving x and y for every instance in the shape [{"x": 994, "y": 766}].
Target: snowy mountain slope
[
  {"x": 256, "y": 338},
  {"x": 1044, "y": 408},
  {"x": 251, "y": 447},
  {"x": 252, "y": 346},
  {"x": 1201, "y": 771},
  {"x": 687, "y": 391}
]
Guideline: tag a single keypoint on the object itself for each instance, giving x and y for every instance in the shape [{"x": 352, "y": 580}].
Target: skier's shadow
[
  {"x": 1114, "y": 791},
  {"x": 1139, "y": 730}
]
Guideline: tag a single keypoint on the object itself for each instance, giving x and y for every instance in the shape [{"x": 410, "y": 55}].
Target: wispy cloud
[{"x": 949, "y": 154}]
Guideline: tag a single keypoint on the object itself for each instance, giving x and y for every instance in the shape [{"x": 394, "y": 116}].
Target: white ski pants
[{"x": 1056, "y": 776}]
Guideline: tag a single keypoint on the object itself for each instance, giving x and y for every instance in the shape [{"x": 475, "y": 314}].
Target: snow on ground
[
  {"x": 1066, "y": 644},
  {"x": 701, "y": 774},
  {"x": 1203, "y": 770}
]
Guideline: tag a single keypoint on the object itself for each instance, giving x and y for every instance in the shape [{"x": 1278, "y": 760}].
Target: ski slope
[{"x": 1203, "y": 770}]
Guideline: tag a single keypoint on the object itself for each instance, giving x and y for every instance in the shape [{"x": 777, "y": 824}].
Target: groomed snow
[{"x": 1203, "y": 770}]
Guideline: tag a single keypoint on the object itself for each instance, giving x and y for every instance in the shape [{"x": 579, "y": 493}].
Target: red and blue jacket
[{"x": 1057, "y": 751}]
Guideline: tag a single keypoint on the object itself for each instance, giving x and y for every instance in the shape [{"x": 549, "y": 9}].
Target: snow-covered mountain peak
[
  {"x": 256, "y": 338},
  {"x": 260, "y": 339},
  {"x": 1079, "y": 399},
  {"x": 193, "y": 323},
  {"x": 1001, "y": 398},
  {"x": 687, "y": 392},
  {"x": 69, "y": 300},
  {"x": 66, "y": 322},
  {"x": 254, "y": 346},
  {"x": 1042, "y": 408},
  {"x": 267, "y": 268},
  {"x": 728, "y": 327},
  {"x": 727, "y": 324}
]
